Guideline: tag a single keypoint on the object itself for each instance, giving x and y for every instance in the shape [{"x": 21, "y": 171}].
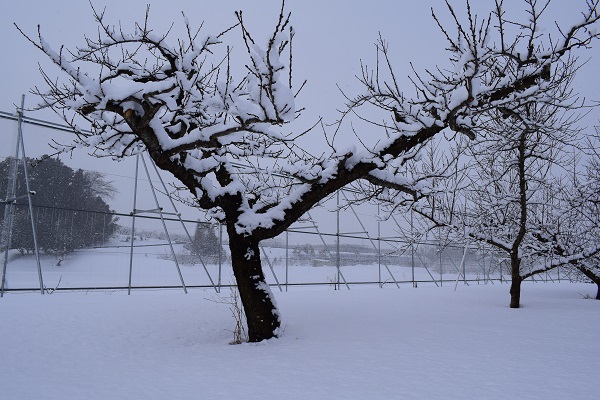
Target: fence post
[
  {"x": 412, "y": 251},
  {"x": 220, "y": 259},
  {"x": 132, "y": 237},
  {"x": 287, "y": 234},
  {"x": 379, "y": 247},
  {"x": 337, "y": 282},
  {"x": 441, "y": 266}
]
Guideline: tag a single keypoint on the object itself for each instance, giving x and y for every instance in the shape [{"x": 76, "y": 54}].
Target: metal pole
[
  {"x": 33, "y": 230},
  {"x": 412, "y": 250},
  {"x": 73, "y": 223},
  {"x": 364, "y": 230},
  {"x": 220, "y": 260},
  {"x": 464, "y": 267},
  {"x": 379, "y": 247},
  {"x": 268, "y": 260},
  {"x": 162, "y": 219},
  {"x": 337, "y": 284},
  {"x": 8, "y": 214},
  {"x": 499, "y": 265},
  {"x": 287, "y": 234},
  {"x": 441, "y": 265},
  {"x": 135, "y": 185},
  {"x": 316, "y": 228},
  {"x": 182, "y": 224}
]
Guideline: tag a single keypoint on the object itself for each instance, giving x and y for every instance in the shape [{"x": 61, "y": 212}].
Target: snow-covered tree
[
  {"x": 506, "y": 189},
  {"x": 581, "y": 228},
  {"x": 224, "y": 138},
  {"x": 512, "y": 197}
]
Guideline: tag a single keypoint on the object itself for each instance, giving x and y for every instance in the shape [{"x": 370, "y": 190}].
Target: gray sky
[{"x": 331, "y": 38}]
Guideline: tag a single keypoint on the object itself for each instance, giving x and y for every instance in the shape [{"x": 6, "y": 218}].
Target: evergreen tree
[
  {"x": 68, "y": 208},
  {"x": 205, "y": 242}
]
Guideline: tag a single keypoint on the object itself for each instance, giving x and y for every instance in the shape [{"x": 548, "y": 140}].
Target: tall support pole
[
  {"x": 103, "y": 228},
  {"x": 379, "y": 247},
  {"x": 441, "y": 264},
  {"x": 412, "y": 250},
  {"x": 135, "y": 185},
  {"x": 287, "y": 243},
  {"x": 364, "y": 230},
  {"x": 220, "y": 258},
  {"x": 268, "y": 260},
  {"x": 11, "y": 198},
  {"x": 8, "y": 213},
  {"x": 499, "y": 266},
  {"x": 181, "y": 221},
  {"x": 29, "y": 193},
  {"x": 338, "y": 260},
  {"x": 162, "y": 219},
  {"x": 464, "y": 270},
  {"x": 464, "y": 266},
  {"x": 316, "y": 228}
]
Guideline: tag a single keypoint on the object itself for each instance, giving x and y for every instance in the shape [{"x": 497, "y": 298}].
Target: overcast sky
[{"x": 331, "y": 39}]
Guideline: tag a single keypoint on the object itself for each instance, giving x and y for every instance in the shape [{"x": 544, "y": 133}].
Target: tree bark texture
[
  {"x": 515, "y": 260},
  {"x": 593, "y": 277},
  {"x": 515, "y": 293},
  {"x": 515, "y": 286},
  {"x": 259, "y": 305}
]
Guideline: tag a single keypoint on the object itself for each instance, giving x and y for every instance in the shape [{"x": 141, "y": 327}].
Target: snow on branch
[
  {"x": 492, "y": 73},
  {"x": 124, "y": 82},
  {"x": 222, "y": 135}
]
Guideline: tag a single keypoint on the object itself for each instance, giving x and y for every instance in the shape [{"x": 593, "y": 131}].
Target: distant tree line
[{"x": 60, "y": 192}]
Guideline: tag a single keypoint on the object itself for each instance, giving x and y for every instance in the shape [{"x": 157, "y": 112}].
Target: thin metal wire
[{"x": 338, "y": 235}]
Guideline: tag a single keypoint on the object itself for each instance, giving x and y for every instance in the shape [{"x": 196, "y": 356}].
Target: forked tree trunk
[
  {"x": 515, "y": 286},
  {"x": 262, "y": 316}
]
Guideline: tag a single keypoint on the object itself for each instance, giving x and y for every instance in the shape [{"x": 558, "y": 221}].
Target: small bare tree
[{"x": 225, "y": 139}]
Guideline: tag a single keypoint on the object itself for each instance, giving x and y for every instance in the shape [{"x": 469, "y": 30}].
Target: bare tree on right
[
  {"x": 582, "y": 229},
  {"x": 505, "y": 188}
]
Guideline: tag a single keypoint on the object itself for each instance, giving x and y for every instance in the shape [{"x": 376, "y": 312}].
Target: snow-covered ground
[
  {"x": 151, "y": 266},
  {"x": 423, "y": 343}
]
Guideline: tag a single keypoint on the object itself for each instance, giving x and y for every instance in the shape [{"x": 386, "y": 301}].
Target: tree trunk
[
  {"x": 515, "y": 293},
  {"x": 595, "y": 278},
  {"x": 262, "y": 316},
  {"x": 515, "y": 286}
]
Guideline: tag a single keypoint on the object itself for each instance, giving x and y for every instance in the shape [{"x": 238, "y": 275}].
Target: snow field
[
  {"x": 109, "y": 267},
  {"x": 389, "y": 343}
]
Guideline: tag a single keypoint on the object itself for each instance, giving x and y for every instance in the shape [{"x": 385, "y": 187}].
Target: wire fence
[
  {"x": 123, "y": 259},
  {"x": 83, "y": 249}
]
